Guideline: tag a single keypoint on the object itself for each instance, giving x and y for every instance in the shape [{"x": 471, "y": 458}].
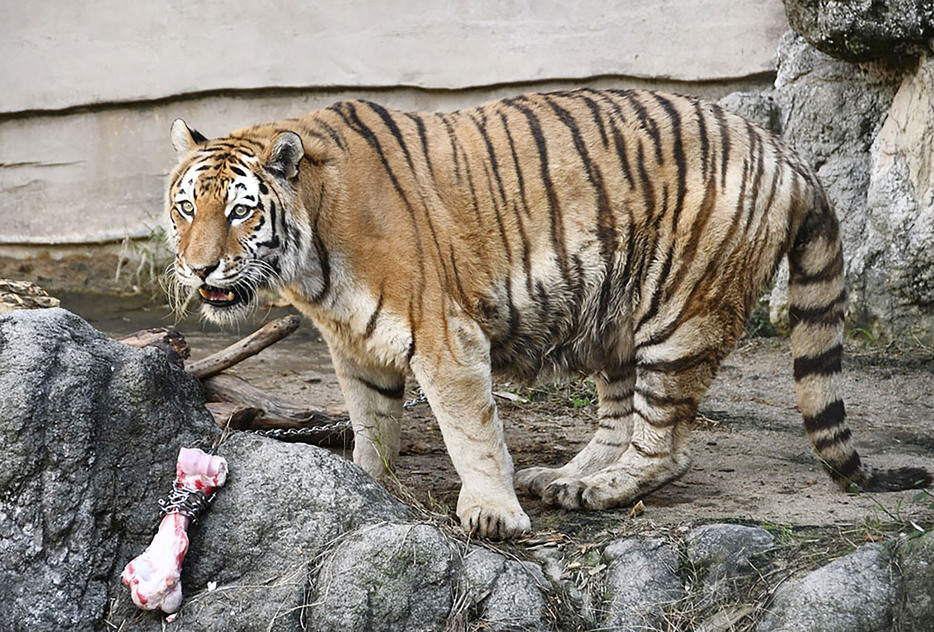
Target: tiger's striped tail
[{"x": 817, "y": 298}]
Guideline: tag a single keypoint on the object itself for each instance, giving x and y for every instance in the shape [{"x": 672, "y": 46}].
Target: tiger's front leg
[
  {"x": 374, "y": 397},
  {"x": 455, "y": 376}
]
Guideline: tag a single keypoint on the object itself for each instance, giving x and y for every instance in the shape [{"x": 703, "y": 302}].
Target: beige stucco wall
[{"x": 90, "y": 88}]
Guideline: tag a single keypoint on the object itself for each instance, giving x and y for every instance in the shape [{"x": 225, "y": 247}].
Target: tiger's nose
[{"x": 203, "y": 271}]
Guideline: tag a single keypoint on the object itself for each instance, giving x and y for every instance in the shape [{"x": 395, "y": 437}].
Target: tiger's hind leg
[
  {"x": 614, "y": 428},
  {"x": 665, "y": 400}
]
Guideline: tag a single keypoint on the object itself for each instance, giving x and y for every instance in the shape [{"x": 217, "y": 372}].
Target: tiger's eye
[
  {"x": 187, "y": 208},
  {"x": 240, "y": 211}
]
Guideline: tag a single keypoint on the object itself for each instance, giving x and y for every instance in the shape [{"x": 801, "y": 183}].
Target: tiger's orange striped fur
[{"x": 622, "y": 234}]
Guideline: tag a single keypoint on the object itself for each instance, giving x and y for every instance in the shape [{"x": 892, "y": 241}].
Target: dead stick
[
  {"x": 233, "y": 416},
  {"x": 276, "y": 411},
  {"x": 244, "y": 348},
  {"x": 166, "y": 339}
]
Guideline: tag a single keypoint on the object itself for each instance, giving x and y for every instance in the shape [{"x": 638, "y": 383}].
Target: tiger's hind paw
[
  {"x": 614, "y": 486},
  {"x": 534, "y": 480}
]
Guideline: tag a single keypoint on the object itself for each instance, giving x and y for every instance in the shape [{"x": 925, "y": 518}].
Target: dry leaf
[{"x": 637, "y": 510}]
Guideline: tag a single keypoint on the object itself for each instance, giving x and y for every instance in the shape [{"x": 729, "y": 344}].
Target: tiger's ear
[
  {"x": 283, "y": 155},
  {"x": 184, "y": 139}
]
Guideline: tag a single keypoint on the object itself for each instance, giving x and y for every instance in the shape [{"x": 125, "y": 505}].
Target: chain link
[
  {"x": 307, "y": 433},
  {"x": 186, "y": 501},
  {"x": 421, "y": 398},
  {"x": 311, "y": 433}
]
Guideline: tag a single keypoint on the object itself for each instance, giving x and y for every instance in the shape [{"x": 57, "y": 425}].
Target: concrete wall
[{"x": 90, "y": 88}]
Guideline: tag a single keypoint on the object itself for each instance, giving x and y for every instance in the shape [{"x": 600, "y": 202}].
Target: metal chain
[
  {"x": 186, "y": 501},
  {"x": 309, "y": 433},
  {"x": 306, "y": 433},
  {"x": 421, "y": 398}
]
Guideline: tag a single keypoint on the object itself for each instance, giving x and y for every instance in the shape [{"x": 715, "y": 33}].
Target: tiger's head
[{"x": 231, "y": 215}]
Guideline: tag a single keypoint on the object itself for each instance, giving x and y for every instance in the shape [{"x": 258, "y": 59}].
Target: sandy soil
[{"x": 752, "y": 460}]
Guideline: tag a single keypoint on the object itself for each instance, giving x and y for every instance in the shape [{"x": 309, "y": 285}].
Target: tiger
[{"x": 620, "y": 234}]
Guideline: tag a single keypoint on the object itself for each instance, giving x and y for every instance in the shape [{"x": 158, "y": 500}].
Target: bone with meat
[{"x": 154, "y": 578}]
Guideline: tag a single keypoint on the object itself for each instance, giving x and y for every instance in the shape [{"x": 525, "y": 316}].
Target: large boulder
[
  {"x": 862, "y": 30},
  {"x": 831, "y": 111},
  {"x": 297, "y": 537},
  {"x": 642, "y": 583},
  {"x": 892, "y": 268},
  {"x": 856, "y": 593},
  {"x": 90, "y": 431}
]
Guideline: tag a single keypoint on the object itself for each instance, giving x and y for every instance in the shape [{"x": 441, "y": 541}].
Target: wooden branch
[
  {"x": 233, "y": 416},
  {"x": 166, "y": 339},
  {"x": 277, "y": 412},
  {"x": 244, "y": 348}
]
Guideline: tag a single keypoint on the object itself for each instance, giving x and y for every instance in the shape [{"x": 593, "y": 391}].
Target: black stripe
[
  {"x": 616, "y": 414},
  {"x": 655, "y": 399},
  {"x": 646, "y": 453},
  {"x": 702, "y": 136},
  {"x": 391, "y": 392},
  {"x": 555, "y": 214},
  {"x": 829, "y": 314},
  {"x": 423, "y": 136},
  {"x": 494, "y": 165},
  {"x": 829, "y": 272},
  {"x": 704, "y": 356},
  {"x": 371, "y": 323},
  {"x": 827, "y": 363},
  {"x": 323, "y": 261},
  {"x": 526, "y": 246},
  {"x": 455, "y": 147},
  {"x": 333, "y": 134},
  {"x": 678, "y": 153},
  {"x": 724, "y": 143},
  {"x": 606, "y": 222},
  {"x": 827, "y": 442},
  {"x": 617, "y": 397},
  {"x": 648, "y": 123},
  {"x": 596, "y": 115},
  {"x": 832, "y": 416},
  {"x": 648, "y": 190}
]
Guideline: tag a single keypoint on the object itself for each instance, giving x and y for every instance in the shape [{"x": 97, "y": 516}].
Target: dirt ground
[{"x": 752, "y": 460}]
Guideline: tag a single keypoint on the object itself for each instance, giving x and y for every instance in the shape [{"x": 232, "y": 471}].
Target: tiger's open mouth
[{"x": 221, "y": 296}]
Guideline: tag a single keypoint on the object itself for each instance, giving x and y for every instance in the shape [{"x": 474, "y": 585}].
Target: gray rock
[
  {"x": 283, "y": 507},
  {"x": 505, "y": 592},
  {"x": 856, "y": 593},
  {"x": 758, "y": 107},
  {"x": 862, "y": 30},
  {"x": 642, "y": 583},
  {"x": 721, "y": 554},
  {"x": 893, "y": 266},
  {"x": 87, "y": 426},
  {"x": 386, "y": 577},
  {"x": 830, "y": 113},
  {"x": 916, "y": 563}
]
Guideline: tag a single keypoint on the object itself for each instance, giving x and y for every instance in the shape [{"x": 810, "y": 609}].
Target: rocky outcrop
[
  {"x": 90, "y": 430},
  {"x": 867, "y": 130},
  {"x": 892, "y": 268},
  {"x": 856, "y": 593},
  {"x": 862, "y": 30},
  {"x": 300, "y": 538}
]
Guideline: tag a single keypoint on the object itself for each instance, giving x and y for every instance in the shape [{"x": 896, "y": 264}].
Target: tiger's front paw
[{"x": 497, "y": 522}]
